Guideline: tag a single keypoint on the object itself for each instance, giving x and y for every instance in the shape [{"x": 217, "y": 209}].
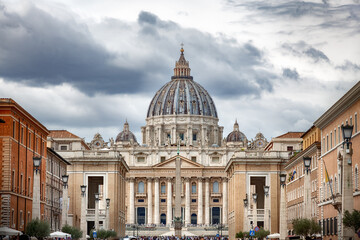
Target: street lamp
[
  {"x": 347, "y": 132},
  {"x": 97, "y": 196},
  {"x": 36, "y": 189},
  {"x": 266, "y": 190},
  {"x": 108, "y": 202},
  {"x": 246, "y": 201},
  {"x": 282, "y": 179},
  {"x": 107, "y": 214},
  {"x": 96, "y": 211},
  {"x": 255, "y": 197},
  {"x": 37, "y": 163},
  {"x": 307, "y": 163},
  {"x": 65, "y": 179},
  {"x": 83, "y": 222}
]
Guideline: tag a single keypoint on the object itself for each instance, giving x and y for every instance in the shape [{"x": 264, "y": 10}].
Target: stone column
[
  {"x": 83, "y": 222},
  {"x": 97, "y": 214},
  {"x": 187, "y": 201},
  {"x": 267, "y": 212},
  {"x": 36, "y": 196},
  {"x": 207, "y": 201},
  {"x": 149, "y": 200},
  {"x": 200, "y": 201},
  {"x": 225, "y": 201},
  {"x": 216, "y": 136},
  {"x": 283, "y": 217},
  {"x": 148, "y": 135},
  {"x": 132, "y": 201},
  {"x": 307, "y": 195},
  {"x": 169, "y": 202},
  {"x": 190, "y": 139},
  {"x": 203, "y": 135},
  {"x": 64, "y": 209},
  {"x": 347, "y": 190},
  {"x": 156, "y": 203},
  {"x": 159, "y": 136},
  {"x": 173, "y": 135}
]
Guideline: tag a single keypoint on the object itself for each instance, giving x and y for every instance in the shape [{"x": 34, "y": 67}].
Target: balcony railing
[{"x": 92, "y": 212}]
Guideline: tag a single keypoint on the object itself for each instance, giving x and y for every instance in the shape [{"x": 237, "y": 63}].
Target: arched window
[
  {"x": 193, "y": 188},
  {"x": 193, "y": 218},
  {"x": 216, "y": 187},
  {"x": 163, "y": 188},
  {"x": 335, "y": 185},
  {"x": 141, "y": 187}
]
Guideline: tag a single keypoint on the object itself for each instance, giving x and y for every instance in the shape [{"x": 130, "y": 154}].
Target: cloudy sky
[{"x": 87, "y": 65}]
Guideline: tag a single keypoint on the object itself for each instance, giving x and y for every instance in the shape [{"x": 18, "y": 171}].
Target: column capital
[
  {"x": 187, "y": 179},
  {"x": 169, "y": 179},
  {"x": 200, "y": 179},
  {"x": 156, "y": 179},
  {"x": 207, "y": 179},
  {"x": 130, "y": 179},
  {"x": 149, "y": 179},
  {"x": 224, "y": 179}
]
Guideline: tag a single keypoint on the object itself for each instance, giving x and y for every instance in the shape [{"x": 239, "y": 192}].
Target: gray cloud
[
  {"x": 292, "y": 74},
  {"x": 315, "y": 54},
  {"x": 38, "y": 48},
  {"x": 301, "y": 48}
]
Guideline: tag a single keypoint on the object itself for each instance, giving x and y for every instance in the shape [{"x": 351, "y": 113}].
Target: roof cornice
[{"x": 339, "y": 107}]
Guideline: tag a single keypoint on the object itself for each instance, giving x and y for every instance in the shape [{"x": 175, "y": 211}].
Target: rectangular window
[
  {"x": 327, "y": 143},
  {"x": 216, "y": 200},
  {"x": 215, "y": 159},
  {"x": 13, "y": 184},
  {"x": 181, "y": 135},
  {"x": 162, "y": 159},
  {"x": 193, "y": 159},
  {"x": 335, "y": 226},
  {"x": 327, "y": 227},
  {"x": 194, "y": 137},
  {"x": 290, "y": 148},
  {"x": 29, "y": 187},
  {"x": 63, "y": 148},
  {"x": 14, "y": 129},
  {"x": 22, "y": 135},
  {"x": 331, "y": 140},
  {"x": 13, "y": 218},
  {"x": 140, "y": 159},
  {"x": 29, "y": 140},
  {"x": 335, "y": 137},
  {"x": 193, "y": 200},
  {"x": 21, "y": 184},
  {"x": 339, "y": 134},
  {"x": 21, "y": 218},
  {"x": 351, "y": 121},
  {"x": 163, "y": 200},
  {"x": 355, "y": 125},
  {"x": 141, "y": 200},
  {"x": 331, "y": 226}
]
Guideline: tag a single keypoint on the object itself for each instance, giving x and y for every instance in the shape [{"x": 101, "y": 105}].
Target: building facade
[
  {"x": 22, "y": 137},
  {"x": 301, "y": 186},
  {"x": 55, "y": 168},
  {"x": 340, "y": 190}
]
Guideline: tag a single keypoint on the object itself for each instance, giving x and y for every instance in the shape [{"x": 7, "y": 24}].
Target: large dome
[{"x": 182, "y": 95}]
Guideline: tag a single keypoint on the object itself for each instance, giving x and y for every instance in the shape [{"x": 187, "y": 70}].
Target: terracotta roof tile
[
  {"x": 291, "y": 135},
  {"x": 62, "y": 134}
]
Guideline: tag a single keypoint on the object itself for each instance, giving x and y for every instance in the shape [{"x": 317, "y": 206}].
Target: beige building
[
  {"x": 102, "y": 172},
  {"x": 56, "y": 167},
  {"x": 249, "y": 173},
  {"x": 301, "y": 185}
]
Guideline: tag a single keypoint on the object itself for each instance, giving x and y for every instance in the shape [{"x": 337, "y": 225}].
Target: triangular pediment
[{"x": 185, "y": 163}]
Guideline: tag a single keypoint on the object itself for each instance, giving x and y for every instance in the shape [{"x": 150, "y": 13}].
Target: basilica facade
[{"x": 181, "y": 121}]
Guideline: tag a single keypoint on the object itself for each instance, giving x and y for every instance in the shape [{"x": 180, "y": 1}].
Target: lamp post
[
  {"x": 283, "y": 219},
  {"x": 107, "y": 220},
  {"x": 83, "y": 222},
  {"x": 254, "y": 196},
  {"x": 64, "y": 213},
  {"x": 36, "y": 189},
  {"x": 267, "y": 213},
  {"x": 96, "y": 211},
  {"x": 307, "y": 186},
  {"x": 347, "y": 201}
]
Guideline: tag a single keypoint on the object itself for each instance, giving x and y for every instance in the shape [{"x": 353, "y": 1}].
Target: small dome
[
  {"x": 125, "y": 135},
  {"x": 236, "y": 135}
]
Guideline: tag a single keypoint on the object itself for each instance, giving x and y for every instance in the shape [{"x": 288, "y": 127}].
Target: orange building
[
  {"x": 22, "y": 137},
  {"x": 345, "y": 111}
]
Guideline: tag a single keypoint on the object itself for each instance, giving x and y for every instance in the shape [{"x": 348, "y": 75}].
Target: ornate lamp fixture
[
  {"x": 65, "y": 179},
  {"x": 83, "y": 190},
  {"x": 97, "y": 196},
  {"x": 246, "y": 201},
  {"x": 307, "y": 163},
  {"x": 37, "y": 163},
  {"x": 282, "y": 179},
  {"x": 255, "y": 197},
  {"x": 266, "y": 190},
  {"x": 108, "y": 202},
  {"x": 347, "y": 132}
]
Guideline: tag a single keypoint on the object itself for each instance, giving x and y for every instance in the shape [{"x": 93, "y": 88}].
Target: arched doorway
[
  {"x": 193, "y": 218},
  {"x": 163, "y": 218},
  {"x": 140, "y": 215},
  {"x": 215, "y": 215}
]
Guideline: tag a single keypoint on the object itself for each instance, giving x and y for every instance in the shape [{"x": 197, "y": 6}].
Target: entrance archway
[
  {"x": 193, "y": 218},
  {"x": 163, "y": 218}
]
